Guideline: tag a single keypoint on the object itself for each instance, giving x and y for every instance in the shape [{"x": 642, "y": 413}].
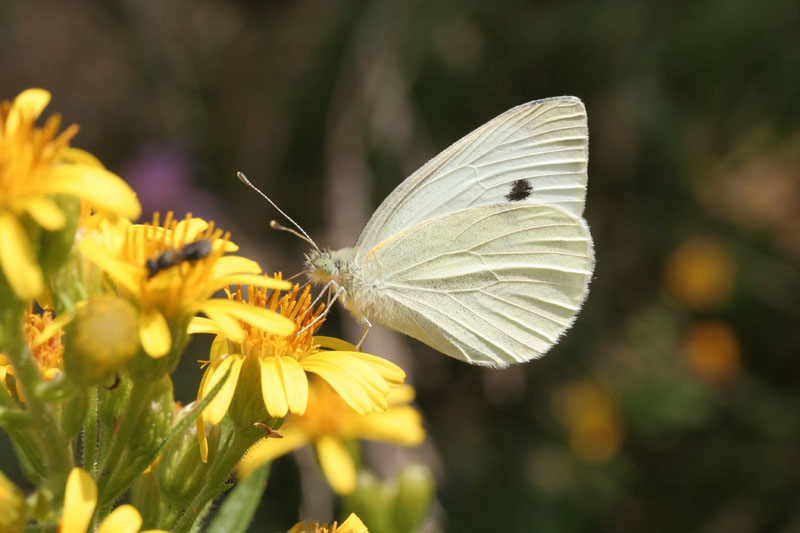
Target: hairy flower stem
[
  {"x": 236, "y": 443},
  {"x": 52, "y": 444},
  {"x": 90, "y": 443},
  {"x": 113, "y": 460}
]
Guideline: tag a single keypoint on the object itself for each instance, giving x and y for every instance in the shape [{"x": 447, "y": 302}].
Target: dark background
[{"x": 673, "y": 404}]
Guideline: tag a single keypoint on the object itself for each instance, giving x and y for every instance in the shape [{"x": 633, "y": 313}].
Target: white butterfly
[{"x": 482, "y": 253}]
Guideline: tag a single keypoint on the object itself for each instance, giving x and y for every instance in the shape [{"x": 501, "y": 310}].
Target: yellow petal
[
  {"x": 215, "y": 411},
  {"x": 219, "y": 347},
  {"x": 255, "y": 280},
  {"x": 336, "y": 464},
  {"x": 202, "y": 325},
  {"x": 123, "y": 273},
  {"x": 344, "y": 385},
  {"x": 401, "y": 395},
  {"x": 69, "y": 154},
  {"x": 202, "y": 441},
  {"x": 234, "y": 264},
  {"x": 199, "y": 422},
  {"x": 45, "y": 212},
  {"x": 258, "y": 317},
  {"x": 353, "y": 524},
  {"x": 267, "y": 450},
  {"x": 17, "y": 259},
  {"x": 386, "y": 369},
  {"x": 272, "y": 387},
  {"x": 80, "y": 499},
  {"x": 29, "y": 104},
  {"x": 365, "y": 375},
  {"x": 188, "y": 230},
  {"x": 154, "y": 333},
  {"x": 123, "y": 519},
  {"x": 104, "y": 190},
  {"x": 333, "y": 343},
  {"x": 226, "y": 324},
  {"x": 295, "y": 383},
  {"x": 398, "y": 425}
]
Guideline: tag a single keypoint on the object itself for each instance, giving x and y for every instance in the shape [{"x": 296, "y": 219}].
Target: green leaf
[{"x": 237, "y": 511}]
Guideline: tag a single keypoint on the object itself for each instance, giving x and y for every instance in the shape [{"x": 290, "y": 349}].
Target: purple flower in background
[{"x": 164, "y": 177}]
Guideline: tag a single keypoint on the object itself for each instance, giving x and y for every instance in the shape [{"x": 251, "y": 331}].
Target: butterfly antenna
[
  {"x": 274, "y": 224},
  {"x": 303, "y": 235}
]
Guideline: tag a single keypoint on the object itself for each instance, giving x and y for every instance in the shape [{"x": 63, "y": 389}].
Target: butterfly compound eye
[{"x": 324, "y": 265}]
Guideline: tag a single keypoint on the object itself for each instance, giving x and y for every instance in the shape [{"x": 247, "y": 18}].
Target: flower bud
[
  {"x": 156, "y": 420},
  {"x": 415, "y": 488},
  {"x": 101, "y": 339},
  {"x": 247, "y": 405},
  {"x": 370, "y": 501},
  {"x": 180, "y": 473},
  {"x": 399, "y": 505}
]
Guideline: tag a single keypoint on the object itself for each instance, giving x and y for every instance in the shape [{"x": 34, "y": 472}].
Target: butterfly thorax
[{"x": 340, "y": 267}]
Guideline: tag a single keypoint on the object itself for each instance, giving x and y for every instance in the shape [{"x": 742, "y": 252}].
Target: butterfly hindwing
[{"x": 492, "y": 285}]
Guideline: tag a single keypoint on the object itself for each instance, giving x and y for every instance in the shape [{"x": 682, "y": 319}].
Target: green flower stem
[
  {"x": 90, "y": 443},
  {"x": 113, "y": 461},
  {"x": 53, "y": 446},
  {"x": 236, "y": 444}
]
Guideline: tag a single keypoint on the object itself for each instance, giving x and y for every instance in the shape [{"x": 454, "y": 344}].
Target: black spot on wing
[{"x": 520, "y": 190}]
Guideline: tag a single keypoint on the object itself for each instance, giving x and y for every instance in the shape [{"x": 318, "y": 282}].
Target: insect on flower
[{"x": 191, "y": 252}]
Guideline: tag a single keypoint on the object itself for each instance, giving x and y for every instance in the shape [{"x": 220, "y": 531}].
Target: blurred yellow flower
[
  {"x": 329, "y": 422},
  {"x": 713, "y": 351},
  {"x": 47, "y": 356},
  {"x": 80, "y": 500},
  {"x": 592, "y": 419},
  {"x": 353, "y": 524},
  {"x": 35, "y": 165},
  {"x": 700, "y": 273},
  {"x": 362, "y": 380},
  {"x": 181, "y": 286}
]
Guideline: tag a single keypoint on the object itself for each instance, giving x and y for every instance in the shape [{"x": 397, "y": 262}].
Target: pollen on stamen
[{"x": 295, "y": 305}]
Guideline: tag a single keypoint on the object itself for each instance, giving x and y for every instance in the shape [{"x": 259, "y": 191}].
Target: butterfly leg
[{"x": 367, "y": 327}]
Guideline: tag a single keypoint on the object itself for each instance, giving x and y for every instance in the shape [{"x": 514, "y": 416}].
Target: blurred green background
[{"x": 674, "y": 402}]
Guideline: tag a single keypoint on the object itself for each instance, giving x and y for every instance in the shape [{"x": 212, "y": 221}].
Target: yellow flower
[
  {"x": 591, "y": 415},
  {"x": 361, "y": 379},
  {"x": 47, "y": 356},
  {"x": 329, "y": 422},
  {"x": 80, "y": 500},
  {"x": 183, "y": 284},
  {"x": 353, "y": 524},
  {"x": 35, "y": 165},
  {"x": 713, "y": 351},
  {"x": 700, "y": 273}
]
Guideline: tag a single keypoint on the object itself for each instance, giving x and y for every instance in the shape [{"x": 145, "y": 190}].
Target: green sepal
[
  {"x": 146, "y": 497},
  {"x": 181, "y": 474},
  {"x": 155, "y": 422},
  {"x": 73, "y": 414},
  {"x": 11, "y": 418}
]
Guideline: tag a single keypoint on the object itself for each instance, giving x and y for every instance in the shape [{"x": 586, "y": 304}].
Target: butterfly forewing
[
  {"x": 493, "y": 284},
  {"x": 534, "y": 153}
]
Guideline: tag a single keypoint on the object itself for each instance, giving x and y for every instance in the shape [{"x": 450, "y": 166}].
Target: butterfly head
[{"x": 323, "y": 266}]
